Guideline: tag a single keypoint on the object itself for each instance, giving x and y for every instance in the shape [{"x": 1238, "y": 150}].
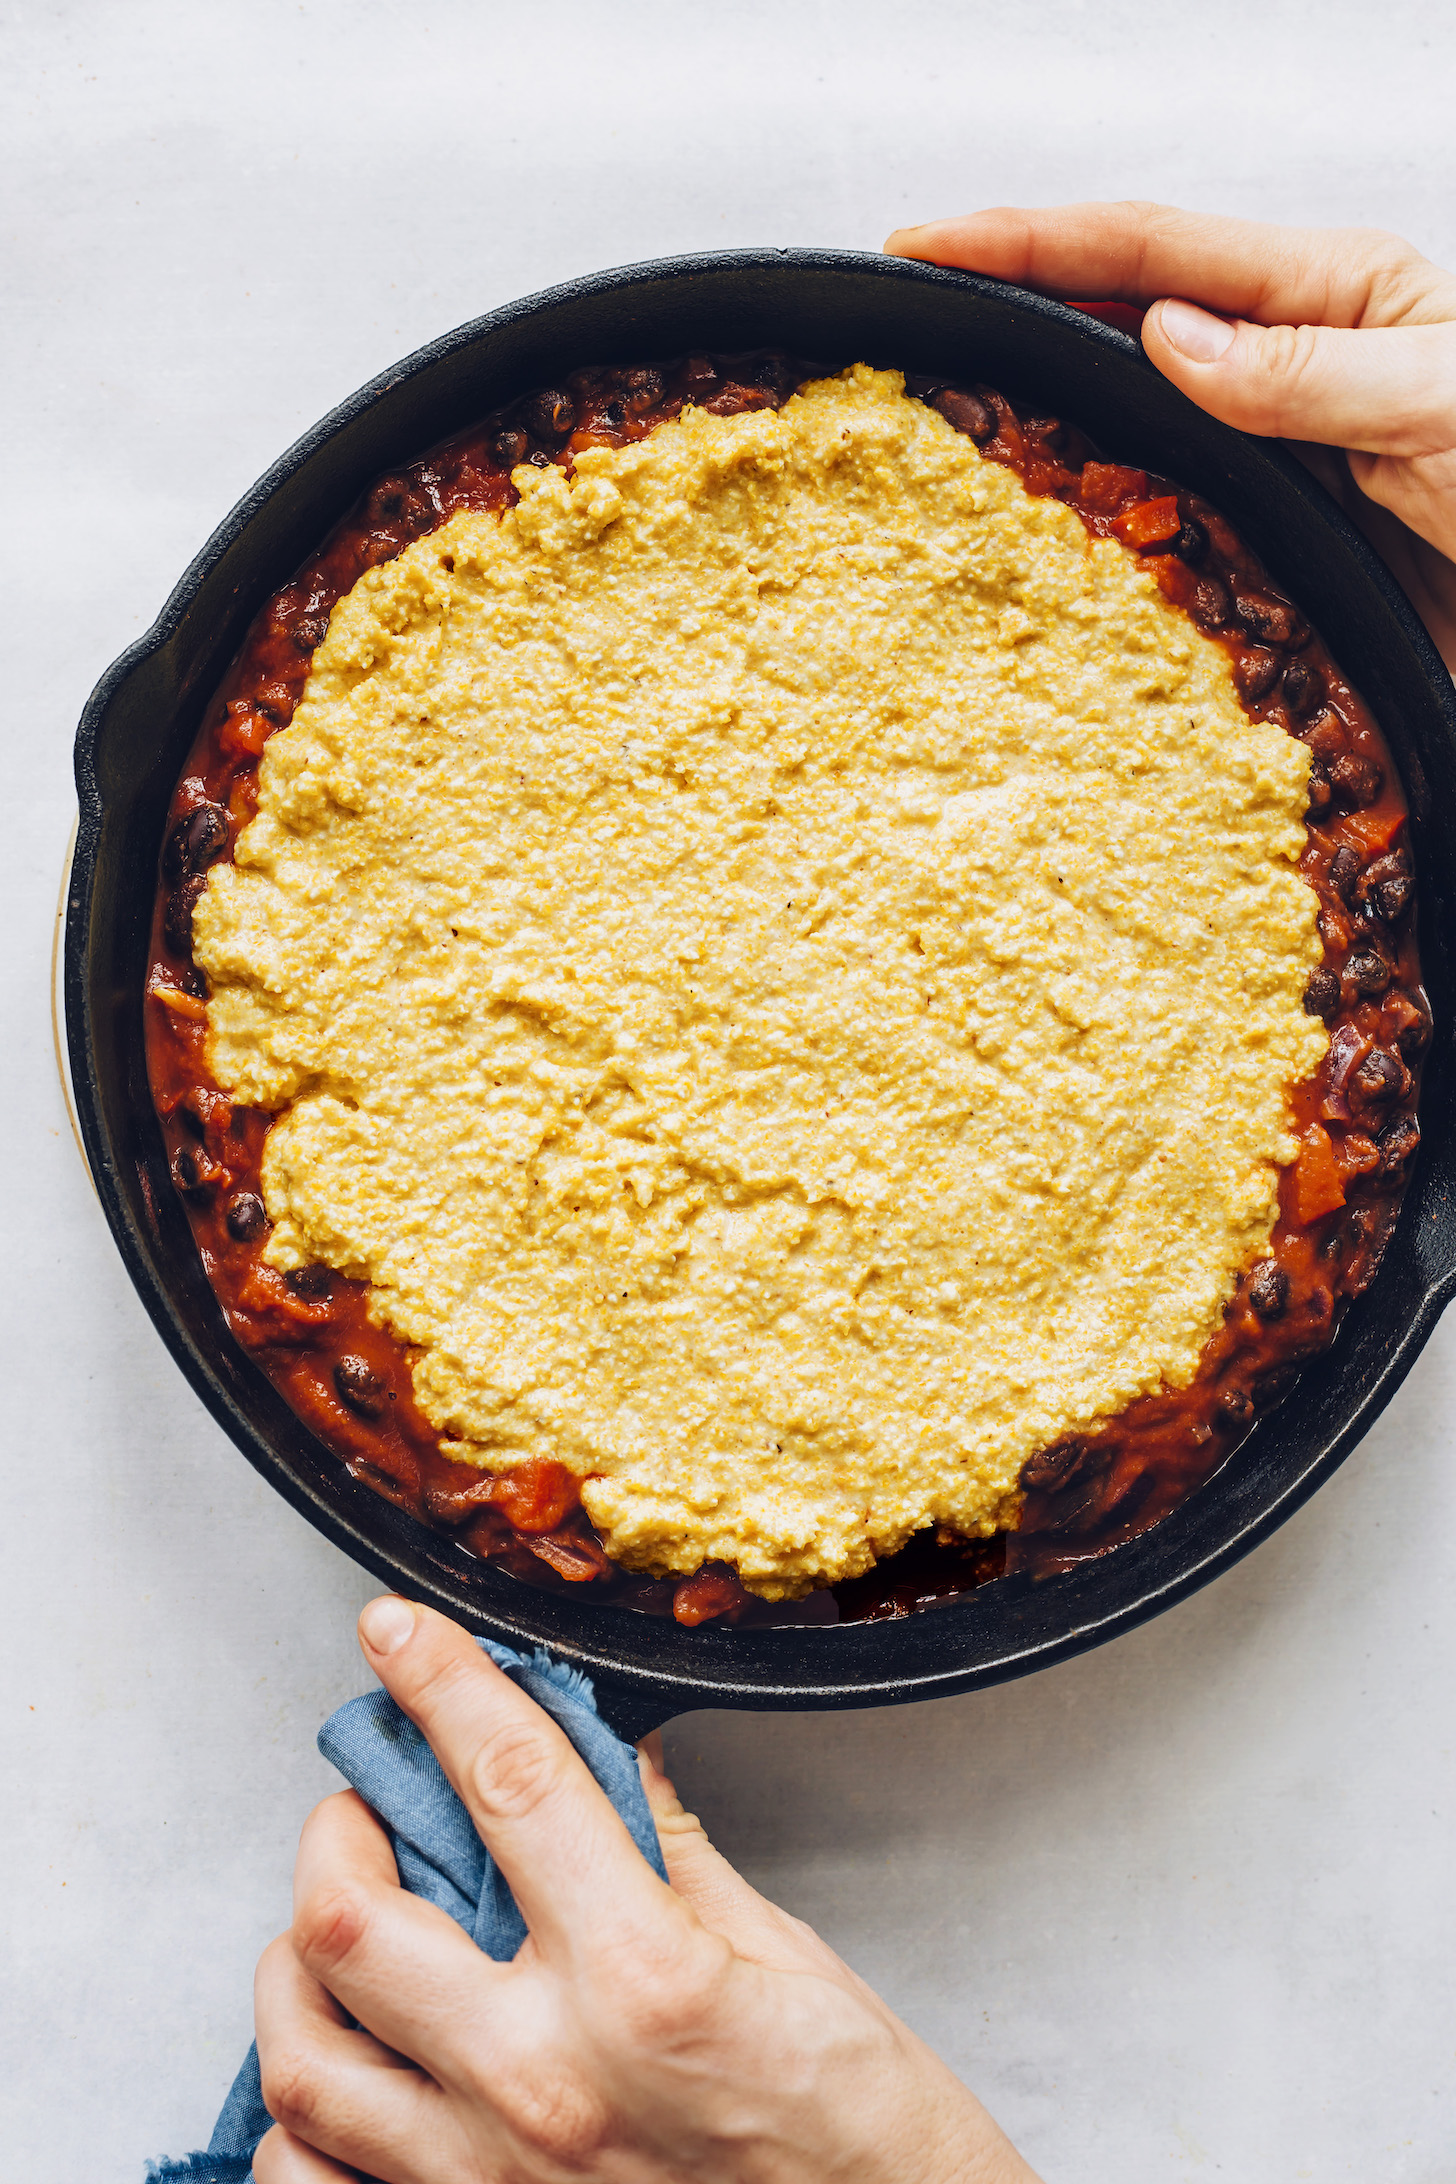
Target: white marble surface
[{"x": 1180, "y": 1908}]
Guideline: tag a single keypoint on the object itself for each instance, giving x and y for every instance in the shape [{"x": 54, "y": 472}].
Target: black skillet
[{"x": 842, "y": 306}]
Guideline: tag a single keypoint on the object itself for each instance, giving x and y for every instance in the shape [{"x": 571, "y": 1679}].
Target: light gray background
[{"x": 1181, "y": 1908}]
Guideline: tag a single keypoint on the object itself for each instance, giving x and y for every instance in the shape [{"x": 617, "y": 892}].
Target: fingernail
[
  {"x": 385, "y": 1624},
  {"x": 1196, "y": 334}
]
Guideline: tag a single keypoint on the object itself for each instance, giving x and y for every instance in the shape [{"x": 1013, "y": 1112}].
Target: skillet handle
[{"x": 629, "y": 1710}]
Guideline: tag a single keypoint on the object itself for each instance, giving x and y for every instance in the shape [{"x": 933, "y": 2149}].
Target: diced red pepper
[
  {"x": 1317, "y": 1186},
  {"x": 245, "y": 733},
  {"x": 1107, "y": 487},
  {"x": 1176, "y": 581},
  {"x": 1150, "y": 523},
  {"x": 538, "y": 1496},
  {"x": 711, "y": 1593}
]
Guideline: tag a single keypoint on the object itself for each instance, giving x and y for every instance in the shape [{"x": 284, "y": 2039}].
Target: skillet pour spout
[{"x": 142, "y": 718}]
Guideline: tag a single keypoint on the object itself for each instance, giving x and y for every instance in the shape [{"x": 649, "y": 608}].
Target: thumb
[{"x": 1384, "y": 389}]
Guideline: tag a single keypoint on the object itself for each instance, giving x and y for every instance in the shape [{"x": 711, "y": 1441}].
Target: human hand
[
  {"x": 1341, "y": 340},
  {"x": 643, "y": 2033}
]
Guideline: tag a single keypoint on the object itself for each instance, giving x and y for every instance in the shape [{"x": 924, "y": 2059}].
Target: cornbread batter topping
[{"x": 780, "y": 960}]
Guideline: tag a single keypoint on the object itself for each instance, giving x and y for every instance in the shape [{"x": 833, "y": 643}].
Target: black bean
[
  {"x": 247, "y": 1216},
  {"x": 1191, "y": 544},
  {"x": 1268, "y": 1289},
  {"x": 1380, "y": 1076},
  {"x": 1398, "y": 1140},
  {"x": 195, "y": 840},
  {"x": 188, "y": 1114},
  {"x": 1391, "y": 898},
  {"x": 613, "y": 416},
  {"x": 1385, "y": 888},
  {"x": 1255, "y": 672},
  {"x": 309, "y": 1281},
  {"x": 1327, "y": 736},
  {"x": 1409, "y": 1022},
  {"x": 1322, "y": 994},
  {"x": 400, "y": 503},
  {"x": 1356, "y": 780},
  {"x": 1345, "y": 870},
  {"x": 177, "y": 919},
  {"x": 1303, "y": 687},
  {"x": 699, "y": 376},
  {"x": 360, "y": 1386},
  {"x": 1234, "y": 1410},
  {"x": 1318, "y": 791},
  {"x": 207, "y": 834},
  {"x": 193, "y": 1172},
  {"x": 967, "y": 412},
  {"x": 549, "y": 414},
  {"x": 1055, "y": 1467},
  {"x": 1367, "y": 972},
  {"x": 1209, "y": 605},
  {"x": 1272, "y": 619},
  {"x": 277, "y": 700},
  {"x": 509, "y": 448},
  {"x": 199, "y": 1109},
  {"x": 386, "y": 500},
  {"x": 642, "y": 388},
  {"x": 310, "y": 633}
]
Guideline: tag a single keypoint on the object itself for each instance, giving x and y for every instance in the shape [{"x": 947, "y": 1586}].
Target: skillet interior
[{"x": 145, "y": 711}]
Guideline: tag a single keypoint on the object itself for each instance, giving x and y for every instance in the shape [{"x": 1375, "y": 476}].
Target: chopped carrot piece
[
  {"x": 1150, "y": 523},
  {"x": 1317, "y": 1186},
  {"x": 1107, "y": 486},
  {"x": 1376, "y": 829}
]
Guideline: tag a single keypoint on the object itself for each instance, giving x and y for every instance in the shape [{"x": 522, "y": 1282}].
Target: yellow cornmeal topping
[{"x": 780, "y": 959}]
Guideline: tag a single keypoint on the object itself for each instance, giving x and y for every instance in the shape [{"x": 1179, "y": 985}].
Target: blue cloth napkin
[{"x": 379, "y": 1750}]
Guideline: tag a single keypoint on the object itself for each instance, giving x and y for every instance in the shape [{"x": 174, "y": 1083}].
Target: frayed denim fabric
[{"x": 440, "y": 1857}]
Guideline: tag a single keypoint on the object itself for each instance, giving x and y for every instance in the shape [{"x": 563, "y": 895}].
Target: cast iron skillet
[{"x": 842, "y": 307}]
